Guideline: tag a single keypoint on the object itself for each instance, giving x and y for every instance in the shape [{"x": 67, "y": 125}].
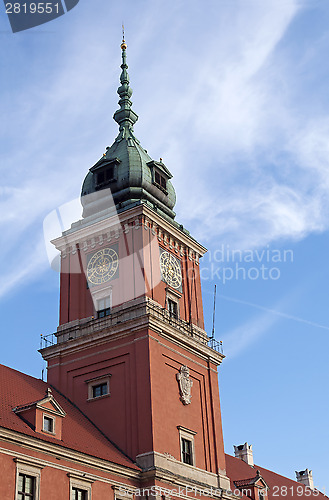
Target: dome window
[
  {"x": 104, "y": 172},
  {"x": 160, "y": 180},
  {"x": 160, "y": 175},
  {"x": 104, "y": 177}
]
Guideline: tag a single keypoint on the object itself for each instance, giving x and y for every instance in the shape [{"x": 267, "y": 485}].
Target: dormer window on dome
[
  {"x": 104, "y": 173},
  {"x": 104, "y": 176},
  {"x": 160, "y": 175},
  {"x": 160, "y": 180}
]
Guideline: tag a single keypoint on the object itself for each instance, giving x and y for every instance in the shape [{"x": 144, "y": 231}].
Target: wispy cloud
[
  {"x": 276, "y": 312},
  {"x": 239, "y": 135},
  {"x": 213, "y": 102},
  {"x": 240, "y": 338}
]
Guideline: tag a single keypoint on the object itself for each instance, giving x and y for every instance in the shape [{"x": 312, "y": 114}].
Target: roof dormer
[
  {"x": 255, "y": 487},
  {"x": 160, "y": 175},
  {"x": 44, "y": 416}
]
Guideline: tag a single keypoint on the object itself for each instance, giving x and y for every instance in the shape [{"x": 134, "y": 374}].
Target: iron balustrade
[{"x": 93, "y": 325}]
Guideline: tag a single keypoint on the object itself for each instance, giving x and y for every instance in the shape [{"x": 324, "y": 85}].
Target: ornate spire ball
[{"x": 123, "y": 45}]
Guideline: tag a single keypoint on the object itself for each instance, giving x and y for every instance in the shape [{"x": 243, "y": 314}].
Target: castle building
[{"x": 131, "y": 405}]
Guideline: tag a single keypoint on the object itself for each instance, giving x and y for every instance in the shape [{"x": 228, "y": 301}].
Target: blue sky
[{"x": 233, "y": 95}]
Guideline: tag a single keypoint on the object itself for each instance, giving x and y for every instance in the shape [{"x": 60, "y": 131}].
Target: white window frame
[
  {"x": 97, "y": 381},
  {"x": 45, "y": 415},
  {"x": 101, "y": 294},
  {"x": 82, "y": 483},
  {"x": 174, "y": 297},
  {"x": 187, "y": 434},
  {"x": 28, "y": 468},
  {"x": 99, "y": 308}
]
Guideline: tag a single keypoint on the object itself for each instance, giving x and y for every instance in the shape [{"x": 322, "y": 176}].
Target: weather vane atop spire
[{"x": 123, "y": 45}]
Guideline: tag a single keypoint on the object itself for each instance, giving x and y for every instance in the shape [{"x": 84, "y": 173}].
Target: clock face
[
  {"x": 171, "y": 270},
  {"x": 102, "y": 266}
]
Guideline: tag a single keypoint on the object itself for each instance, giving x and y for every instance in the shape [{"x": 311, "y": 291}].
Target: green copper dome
[{"x": 126, "y": 172}]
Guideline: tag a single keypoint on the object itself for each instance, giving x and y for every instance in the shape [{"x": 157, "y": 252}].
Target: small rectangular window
[
  {"x": 48, "y": 424},
  {"x": 104, "y": 307},
  {"x": 187, "y": 452},
  {"x": 26, "y": 487},
  {"x": 100, "y": 390},
  {"x": 98, "y": 387},
  {"x": 173, "y": 309}
]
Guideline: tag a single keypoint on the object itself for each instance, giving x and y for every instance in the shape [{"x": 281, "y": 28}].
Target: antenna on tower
[
  {"x": 213, "y": 316},
  {"x": 123, "y": 32}
]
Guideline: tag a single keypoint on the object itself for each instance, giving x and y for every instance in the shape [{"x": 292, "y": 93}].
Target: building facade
[{"x": 131, "y": 404}]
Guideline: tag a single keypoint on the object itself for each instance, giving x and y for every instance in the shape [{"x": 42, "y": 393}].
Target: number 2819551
[{"x": 32, "y": 8}]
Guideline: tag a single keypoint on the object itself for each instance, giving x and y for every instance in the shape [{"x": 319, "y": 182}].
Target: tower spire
[
  {"x": 125, "y": 116},
  {"x": 126, "y": 167}
]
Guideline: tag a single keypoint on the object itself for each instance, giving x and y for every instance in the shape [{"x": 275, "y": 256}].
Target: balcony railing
[{"x": 87, "y": 326}]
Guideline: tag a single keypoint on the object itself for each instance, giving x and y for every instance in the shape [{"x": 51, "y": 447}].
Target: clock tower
[{"x": 131, "y": 350}]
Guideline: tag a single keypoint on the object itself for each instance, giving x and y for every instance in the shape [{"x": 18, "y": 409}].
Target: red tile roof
[
  {"x": 246, "y": 482},
  {"x": 79, "y": 434},
  {"x": 280, "y": 487}
]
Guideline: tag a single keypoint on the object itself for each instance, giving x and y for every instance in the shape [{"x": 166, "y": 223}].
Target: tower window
[
  {"x": 98, "y": 387},
  {"x": 104, "y": 307},
  {"x": 187, "y": 451},
  {"x": 100, "y": 390},
  {"x": 48, "y": 424},
  {"x": 26, "y": 487},
  {"x": 173, "y": 308}
]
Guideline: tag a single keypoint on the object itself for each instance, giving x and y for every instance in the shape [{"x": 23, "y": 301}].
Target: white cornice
[
  {"x": 59, "y": 451},
  {"x": 137, "y": 218}
]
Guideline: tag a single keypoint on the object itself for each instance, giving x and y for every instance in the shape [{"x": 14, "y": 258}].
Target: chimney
[
  {"x": 244, "y": 452},
  {"x": 305, "y": 477}
]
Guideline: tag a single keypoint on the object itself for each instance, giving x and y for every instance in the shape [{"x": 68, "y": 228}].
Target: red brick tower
[{"x": 131, "y": 348}]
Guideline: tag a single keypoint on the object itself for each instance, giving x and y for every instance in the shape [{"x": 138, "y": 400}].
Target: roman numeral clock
[
  {"x": 171, "y": 271},
  {"x": 102, "y": 266}
]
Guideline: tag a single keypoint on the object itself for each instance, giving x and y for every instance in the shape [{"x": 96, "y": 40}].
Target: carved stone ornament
[{"x": 185, "y": 384}]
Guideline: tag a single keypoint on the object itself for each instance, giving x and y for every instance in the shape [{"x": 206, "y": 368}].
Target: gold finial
[{"x": 123, "y": 45}]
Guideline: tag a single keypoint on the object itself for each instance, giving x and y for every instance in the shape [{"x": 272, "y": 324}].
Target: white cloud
[
  {"x": 243, "y": 336},
  {"x": 212, "y": 102}
]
